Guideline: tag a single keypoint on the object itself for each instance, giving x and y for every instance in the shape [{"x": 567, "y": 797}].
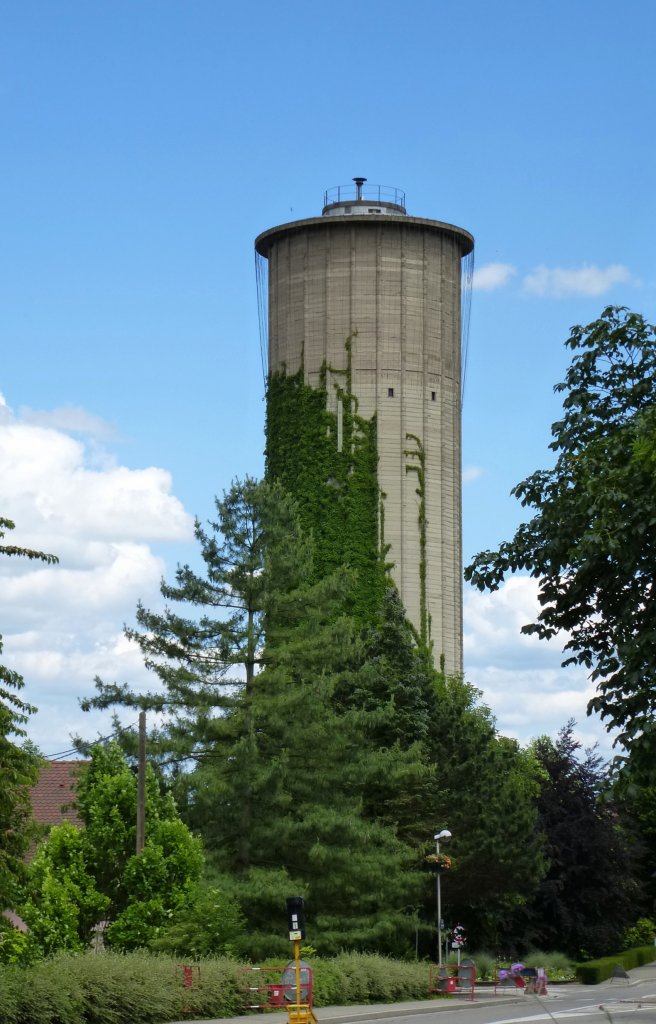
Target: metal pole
[
  {"x": 141, "y": 784},
  {"x": 297, "y": 965},
  {"x": 439, "y": 906}
]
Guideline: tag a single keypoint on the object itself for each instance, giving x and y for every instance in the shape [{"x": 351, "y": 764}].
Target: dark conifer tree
[{"x": 589, "y": 894}]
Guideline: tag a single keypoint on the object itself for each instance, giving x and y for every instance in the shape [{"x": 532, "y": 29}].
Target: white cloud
[
  {"x": 491, "y": 276},
  {"x": 560, "y": 282},
  {"x": 521, "y": 676},
  {"x": 62, "y": 624},
  {"x": 69, "y": 418},
  {"x": 471, "y": 473}
]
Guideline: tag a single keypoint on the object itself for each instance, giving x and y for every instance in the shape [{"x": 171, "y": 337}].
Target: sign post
[{"x": 298, "y": 1012}]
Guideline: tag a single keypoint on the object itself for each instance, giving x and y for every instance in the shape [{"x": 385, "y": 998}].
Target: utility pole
[{"x": 141, "y": 784}]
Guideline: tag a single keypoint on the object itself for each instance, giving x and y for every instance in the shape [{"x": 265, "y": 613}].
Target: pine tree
[
  {"x": 205, "y": 657},
  {"x": 306, "y": 761},
  {"x": 282, "y": 762}
]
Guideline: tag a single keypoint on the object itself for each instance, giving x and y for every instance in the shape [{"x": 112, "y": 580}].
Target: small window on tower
[
  {"x": 390, "y": 392},
  {"x": 433, "y": 396}
]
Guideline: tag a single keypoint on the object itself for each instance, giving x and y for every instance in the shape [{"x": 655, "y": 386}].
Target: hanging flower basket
[{"x": 438, "y": 862}]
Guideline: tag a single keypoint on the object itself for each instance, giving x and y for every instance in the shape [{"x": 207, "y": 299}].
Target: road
[{"x": 616, "y": 1001}]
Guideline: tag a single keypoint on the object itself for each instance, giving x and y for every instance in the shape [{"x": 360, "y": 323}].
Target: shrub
[
  {"x": 210, "y": 924},
  {"x": 642, "y": 934},
  {"x": 328, "y": 983},
  {"x": 595, "y": 971},
  {"x": 369, "y": 977},
  {"x": 10, "y": 993},
  {"x": 16, "y": 947},
  {"x": 559, "y": 966},
  {"x": 486, "y": 968},
  {"x": 50, "y": 993},
  {"x": 109, "y": 987}
]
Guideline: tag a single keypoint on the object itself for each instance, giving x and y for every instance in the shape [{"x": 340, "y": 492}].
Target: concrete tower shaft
[{"x": 392, "y": 282}]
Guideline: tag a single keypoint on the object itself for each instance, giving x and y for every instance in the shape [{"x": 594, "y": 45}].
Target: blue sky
[{"x": 144, "y": 145}]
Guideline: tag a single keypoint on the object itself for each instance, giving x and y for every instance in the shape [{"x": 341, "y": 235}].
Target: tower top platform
[
  {"x": 360, "y": 202},
  {"x": 265, "y": 241}
]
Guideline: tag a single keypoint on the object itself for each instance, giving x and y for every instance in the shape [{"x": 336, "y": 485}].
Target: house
[
  {"x": 53, "y": 796},
  {"x": 53, "y": 803}
]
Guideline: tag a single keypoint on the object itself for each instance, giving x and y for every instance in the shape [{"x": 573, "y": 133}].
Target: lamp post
[{"x": 444, "y": 837}]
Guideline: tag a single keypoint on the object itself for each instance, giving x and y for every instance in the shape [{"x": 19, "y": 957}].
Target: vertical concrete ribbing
[{"x": 397, "y": 281}]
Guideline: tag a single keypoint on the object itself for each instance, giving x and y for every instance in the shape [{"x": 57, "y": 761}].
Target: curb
[
  {"x": 344, "y": 1015},
  {"x": 399, "y": 1010}
]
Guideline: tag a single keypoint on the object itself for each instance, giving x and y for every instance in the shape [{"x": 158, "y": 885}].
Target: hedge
[
  {"x": 595, "y": 971},
  {"x": 143, "y": 988}
]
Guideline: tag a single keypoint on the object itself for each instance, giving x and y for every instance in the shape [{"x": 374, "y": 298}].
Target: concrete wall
[{"x": 396, "y": 281}]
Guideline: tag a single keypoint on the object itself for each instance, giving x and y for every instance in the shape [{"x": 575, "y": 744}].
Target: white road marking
[{"x": 580, "y": 1011}]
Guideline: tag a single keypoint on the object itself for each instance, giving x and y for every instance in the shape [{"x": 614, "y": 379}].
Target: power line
[{"x": 101, "y": 739}]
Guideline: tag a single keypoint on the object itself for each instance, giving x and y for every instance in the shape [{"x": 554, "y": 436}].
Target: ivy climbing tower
[{"x": 364, "y": 346}]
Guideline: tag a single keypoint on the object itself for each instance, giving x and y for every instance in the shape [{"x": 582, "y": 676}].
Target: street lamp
[{"x": 443, "y": 837}]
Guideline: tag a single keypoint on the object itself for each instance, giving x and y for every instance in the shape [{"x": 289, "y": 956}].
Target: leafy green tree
[
  {"x": 80, "y": 876},
  {"x": 643, "y": 933},
  {"x": 18, "y": 764},
  {"x": 589, "y": 895},
  {"x": 638, "y": 805},
  {"x": 592, "y": 540},
  {"x": 485, "y": 791},
  {"x": 63, "y": 904},
  {"x": 209, "y": 924}
]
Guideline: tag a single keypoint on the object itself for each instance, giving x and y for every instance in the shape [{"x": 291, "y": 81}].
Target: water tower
[{"x": 364, "y": 348}]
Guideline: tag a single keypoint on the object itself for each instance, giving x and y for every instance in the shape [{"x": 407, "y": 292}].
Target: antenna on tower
[{"x": 359, "y": 182}]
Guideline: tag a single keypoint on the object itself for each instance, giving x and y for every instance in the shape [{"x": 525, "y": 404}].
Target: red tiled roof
[
  {"x": 15, "y": 921},
  {"x": 56, "y": 790}
]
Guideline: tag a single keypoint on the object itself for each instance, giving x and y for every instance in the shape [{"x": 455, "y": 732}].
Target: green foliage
[
  {"x": 308, "y": 769},
  {"x": 206, "y": 645},
  {"x": 284, "y": 766},
  {"x": 327, "y": 771},
  {"x": 63, "y": 903},
  {"x": 81, "y": 876},
  {"x": 592, "y": 540},
  {"x": 16, "y": 947},
  {"x": 485, "y": 790},
  {"x": 642, "y": 933},
  {"x": 638, "y": 804},
  {"x": 332, "y": 471},
  {"x": 419, "y": 468},
  {"x": 559, "y": 966},
  {"x": 587, "y": 851},
  {"x": 209, "y": 924},
  {"x": 595, "y": 971},
  {"x": 18, "y": 765},
  {"x": 147, "y": 989},
  {"x": 11, "y": 991},
  {"x": 371, "y": 978},
  {"x": 137, "y": 987},
  {"x": 486, "y": 966}
]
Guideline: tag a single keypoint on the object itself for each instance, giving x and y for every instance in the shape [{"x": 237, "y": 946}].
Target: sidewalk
[{"x": 374, "y": 1011}]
